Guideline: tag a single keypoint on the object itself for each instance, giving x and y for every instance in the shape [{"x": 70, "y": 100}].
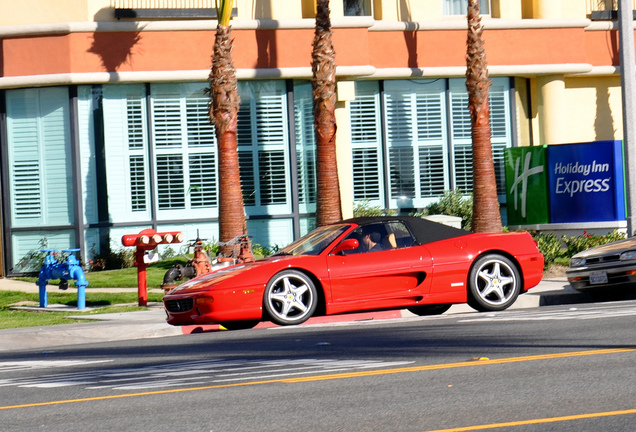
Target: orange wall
[{"x": 191, "y": 50}]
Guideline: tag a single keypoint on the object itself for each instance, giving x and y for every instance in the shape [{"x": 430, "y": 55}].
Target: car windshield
[{"x": 315, "y": 242}]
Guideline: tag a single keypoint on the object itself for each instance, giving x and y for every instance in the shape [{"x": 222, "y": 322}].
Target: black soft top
[{"x": 424, "y": 231}]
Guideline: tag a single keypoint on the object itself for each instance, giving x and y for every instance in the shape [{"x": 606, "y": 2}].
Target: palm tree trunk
[
  {"x": 328, "y": 205},
  {"x": 486, "y": 217},
  {"x": 224, "y": 115}
]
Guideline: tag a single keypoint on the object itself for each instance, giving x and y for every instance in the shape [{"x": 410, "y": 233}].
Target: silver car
[{"x": 609, "y": 265}]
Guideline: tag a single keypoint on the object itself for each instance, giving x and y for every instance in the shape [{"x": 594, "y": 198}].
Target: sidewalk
[{"x": 151, "y": 323}]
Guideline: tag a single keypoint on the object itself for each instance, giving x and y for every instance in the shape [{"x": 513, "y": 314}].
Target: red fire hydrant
[{"x": 145, "y": 241}]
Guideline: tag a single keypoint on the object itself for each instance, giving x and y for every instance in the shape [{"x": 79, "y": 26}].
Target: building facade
[{"x": 104, "y": 124}]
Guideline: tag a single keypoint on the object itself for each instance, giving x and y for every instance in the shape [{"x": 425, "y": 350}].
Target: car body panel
[
  {"x": 603, "y": 267},
  {"x": 433, "y": 270}
]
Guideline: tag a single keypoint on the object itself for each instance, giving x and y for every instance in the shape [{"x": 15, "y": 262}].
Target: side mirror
[{"x": 347, "y": 244}]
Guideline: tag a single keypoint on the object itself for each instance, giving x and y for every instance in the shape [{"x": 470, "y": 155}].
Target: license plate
[{"x": 598, "y": 277}]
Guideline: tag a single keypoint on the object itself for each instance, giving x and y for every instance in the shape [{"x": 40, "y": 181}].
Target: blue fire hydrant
[{"x": 64, "y": 271}]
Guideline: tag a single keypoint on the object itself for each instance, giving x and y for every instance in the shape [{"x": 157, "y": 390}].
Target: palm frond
[{"x": 224, "y": 11}]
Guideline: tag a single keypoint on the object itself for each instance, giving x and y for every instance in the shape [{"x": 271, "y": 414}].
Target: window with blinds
[
  {"x": 416, "y": 138},
  {"x": 422, "y": 145},
  {"x": 263, "y": 146},
  {"x": 366, "y": 143},
  {"x": 185, "y": 150},
  {"x": 461, "y": 133}
]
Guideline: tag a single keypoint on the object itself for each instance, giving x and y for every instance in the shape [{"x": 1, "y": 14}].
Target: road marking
[
  {"x": 574, "y": 313},
  {"x": 538, "y": 421},
  {"x": 45, "y": 364},
  {"x": 187, "y": 373},
  {"x": 338, "y": 376}
]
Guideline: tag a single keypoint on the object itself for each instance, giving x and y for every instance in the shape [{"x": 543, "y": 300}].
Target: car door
[{"x": 398, "y": 272}]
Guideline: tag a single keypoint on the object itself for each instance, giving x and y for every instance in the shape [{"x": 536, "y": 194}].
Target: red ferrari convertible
[{"x": 364, "y": 264}]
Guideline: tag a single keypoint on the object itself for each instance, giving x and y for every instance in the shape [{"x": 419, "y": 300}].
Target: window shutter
[
  {"x": 200, "y": 130},
  {"x": 137, "y": 183},
  {"x": 402, "y": 172},
  {"x": 463, "y": 156},
  {"x": 366, "y": 143},
  {"x": 248, "y": 182},
  {"x": 135, "y": 120},
  {"x": 167, "y": 119},
  {"x": 38, "y": 130},
  {"x": 203, "y": 180},
  {"x": 366, "y": 178},
  {"x": 170, "y": 184},
  {"x": 399, "y": 125},
  {"x": 432, "y": 172},
  {"x": 126, "y": 148},
  {"x": 430, "y": 115},
  {"x": 271, "y": 170}
]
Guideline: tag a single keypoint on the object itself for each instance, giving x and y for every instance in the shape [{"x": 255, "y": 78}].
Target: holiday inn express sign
[{"x": 565, "y": 183}]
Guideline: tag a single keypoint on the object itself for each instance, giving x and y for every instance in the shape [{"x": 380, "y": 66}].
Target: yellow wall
[
  {"x": 42, "y": 11},
  {"x": 593, "y": 107},
  {"x": 507, "y": 9},
  {"x": 58, "y": 11},
  {"x": 270, "y": 9}
]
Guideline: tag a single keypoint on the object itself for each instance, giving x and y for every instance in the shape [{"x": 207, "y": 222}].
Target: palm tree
[
  {"x": 328, "y": 206},
  {"x": 486, "y": 217},
  {"x": 224, "y": 108}
]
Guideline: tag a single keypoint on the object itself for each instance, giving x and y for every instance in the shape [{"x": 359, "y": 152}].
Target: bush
[
  {"x": 550, "y": 246},
  {"x": 365, "y": 209},
  {"x": 454, "y": 203},
  {"x": 578, "y": 244},
  {"x": 554, "y": 249}
]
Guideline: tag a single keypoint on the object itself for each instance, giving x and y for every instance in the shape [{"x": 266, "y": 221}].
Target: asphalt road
[{"x": 557, "y": 368}]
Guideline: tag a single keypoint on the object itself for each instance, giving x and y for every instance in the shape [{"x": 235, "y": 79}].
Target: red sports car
[{"x": 364, "y": 264}]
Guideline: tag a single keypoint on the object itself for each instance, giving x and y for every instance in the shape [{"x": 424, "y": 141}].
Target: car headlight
[
  {"x": 629, "y": 255},
  {"x": 577, "y": 262}
]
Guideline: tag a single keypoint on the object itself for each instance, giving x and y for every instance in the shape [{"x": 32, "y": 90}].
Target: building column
[
  {"x": 552, "y": 116},
  {"x": 346, "y": 91}
]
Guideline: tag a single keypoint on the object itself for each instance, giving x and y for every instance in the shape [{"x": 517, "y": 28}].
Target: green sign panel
[{"x": 527, "y": 185}]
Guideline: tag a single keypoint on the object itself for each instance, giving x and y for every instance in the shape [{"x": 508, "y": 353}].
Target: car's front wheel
[
  {"x": 494, "y": 283},
  {"x": 290, "y": 297}
]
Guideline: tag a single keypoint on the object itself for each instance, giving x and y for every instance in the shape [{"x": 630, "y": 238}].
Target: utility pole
[{"x": 628, "y": 83}]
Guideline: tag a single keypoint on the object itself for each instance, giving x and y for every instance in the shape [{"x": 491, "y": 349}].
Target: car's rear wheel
[
  {"x": 290, "y": 297},
  {"x": 494, "y": 283},
  {"x": 426, "y": 310},
  {"x": 240, "y": 325}
]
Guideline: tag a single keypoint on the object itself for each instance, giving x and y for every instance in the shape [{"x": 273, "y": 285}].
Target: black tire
[
  {"x": 494, "y": 283},
  {"x": 433, "y": 309},
  {"x": 240, "y": 325},
  {"x": 290, "y": 298}
]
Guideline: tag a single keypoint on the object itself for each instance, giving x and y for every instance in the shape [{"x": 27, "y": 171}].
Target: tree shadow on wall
[
  {"x": 604, "y": 127},
  {"x": 115, "y": 48}
]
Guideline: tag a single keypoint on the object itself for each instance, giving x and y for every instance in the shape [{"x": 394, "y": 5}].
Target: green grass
[
  {"x": 106, "y": 302},
  {"x": 125, "y": 278}
]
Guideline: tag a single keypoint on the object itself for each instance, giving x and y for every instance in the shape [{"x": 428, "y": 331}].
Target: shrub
[
  {"x": 364, "y": 208},
  {"x": 578, "y": 244},
  {"x": 550, "y": 246},
  {"x": 554, "y": 249},
  {"x": 454, "y": 203}
]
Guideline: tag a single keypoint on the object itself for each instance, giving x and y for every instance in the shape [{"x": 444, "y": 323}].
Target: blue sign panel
[{"x": 586, "y": 182}]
